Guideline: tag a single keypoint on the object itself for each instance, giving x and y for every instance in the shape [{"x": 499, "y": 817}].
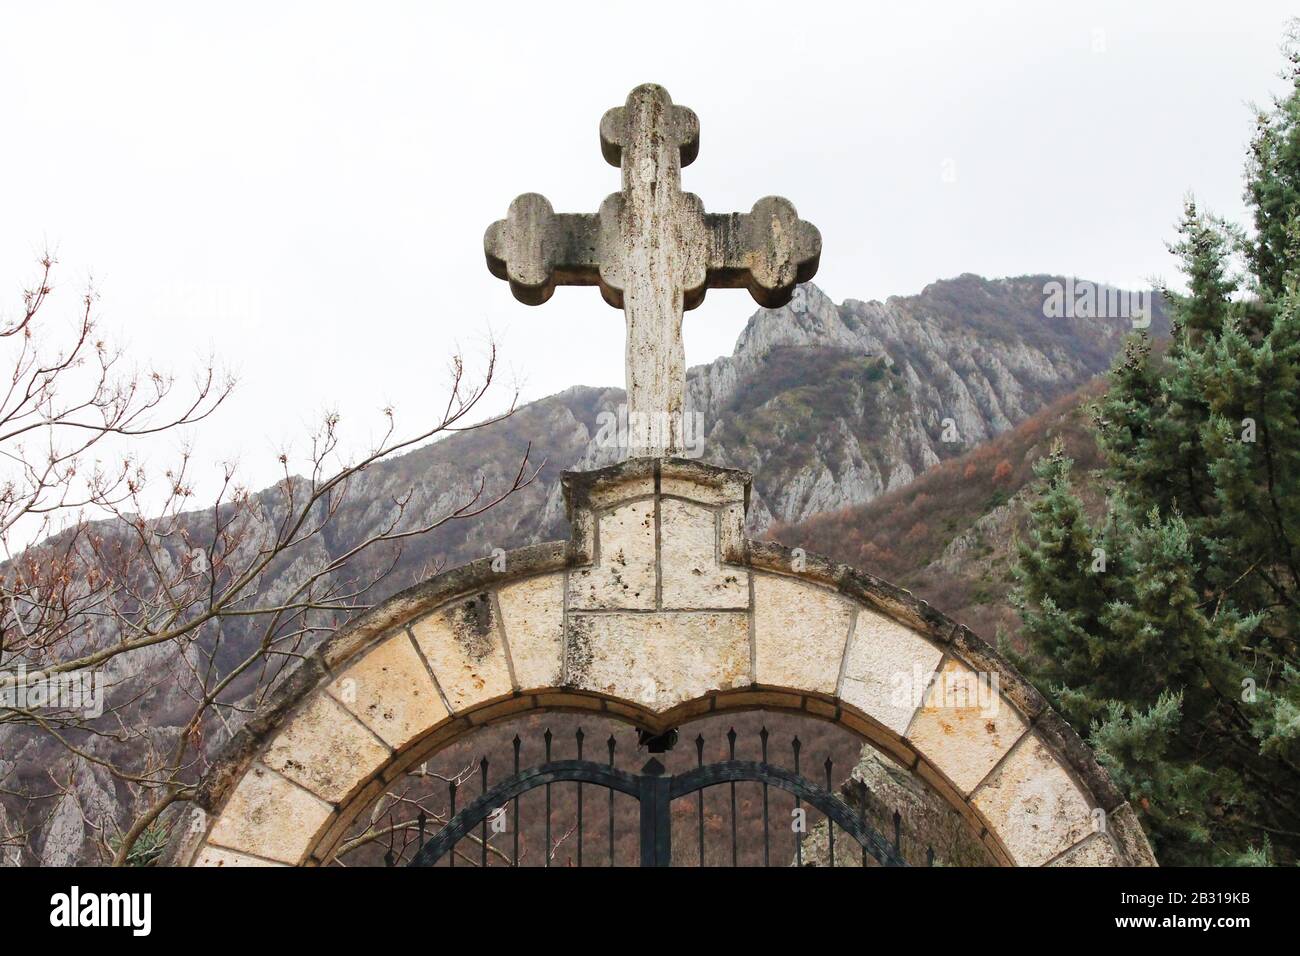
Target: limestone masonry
[{"x": 657, "y": 610}]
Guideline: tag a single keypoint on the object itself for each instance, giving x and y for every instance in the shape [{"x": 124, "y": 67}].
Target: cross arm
[
  {"x": 535, "y": 248},
  {"x": 768, "y": 250}
]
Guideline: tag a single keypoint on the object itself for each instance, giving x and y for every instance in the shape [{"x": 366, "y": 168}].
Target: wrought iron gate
[{"x": 655, "y": 791}]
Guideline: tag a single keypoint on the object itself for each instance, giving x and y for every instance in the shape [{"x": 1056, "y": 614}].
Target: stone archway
[{"x": 657, "y": 610}]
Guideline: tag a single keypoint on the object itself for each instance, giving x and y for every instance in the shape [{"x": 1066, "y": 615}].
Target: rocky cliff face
[
  {"x": 828, "y": 405},
  {"x": 831, "y": 406},
  {"x": 950, "y": 537}
]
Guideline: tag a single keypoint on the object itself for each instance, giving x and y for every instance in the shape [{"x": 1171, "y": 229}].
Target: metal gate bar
[{"x": 655, "y": 791}]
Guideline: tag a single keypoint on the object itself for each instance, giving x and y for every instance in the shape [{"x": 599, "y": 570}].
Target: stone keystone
[{"x": 653, "y": 251}]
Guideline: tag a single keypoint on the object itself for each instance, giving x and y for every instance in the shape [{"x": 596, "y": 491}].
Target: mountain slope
[
  {"x": 831, "y": 406},
  {"x": 949, "y": 536}
]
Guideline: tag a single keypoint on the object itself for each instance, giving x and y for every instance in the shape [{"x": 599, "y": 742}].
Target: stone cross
[{"x": 653, "y": 251}]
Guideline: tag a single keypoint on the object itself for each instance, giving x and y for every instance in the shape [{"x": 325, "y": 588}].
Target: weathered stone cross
[{"x": 654, "y": 252}]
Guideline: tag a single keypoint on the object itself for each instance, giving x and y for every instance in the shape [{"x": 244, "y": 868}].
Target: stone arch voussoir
[{"x": 656, "y": 611}]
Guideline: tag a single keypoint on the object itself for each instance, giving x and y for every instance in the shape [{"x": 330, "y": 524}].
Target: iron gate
[{"x": 655, "y": 791}]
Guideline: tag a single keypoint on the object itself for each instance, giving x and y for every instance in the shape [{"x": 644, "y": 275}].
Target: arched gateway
[{"x": 657, "y": 610}]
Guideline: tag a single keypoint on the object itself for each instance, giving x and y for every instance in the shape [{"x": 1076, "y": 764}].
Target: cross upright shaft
[{"x": 653, "y": 252}]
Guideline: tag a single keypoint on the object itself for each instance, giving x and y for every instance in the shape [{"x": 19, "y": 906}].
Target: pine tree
[{"x": 1178, "y": 653}]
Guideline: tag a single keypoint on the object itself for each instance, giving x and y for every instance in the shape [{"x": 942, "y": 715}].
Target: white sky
[{"x": 303, "y": 188}]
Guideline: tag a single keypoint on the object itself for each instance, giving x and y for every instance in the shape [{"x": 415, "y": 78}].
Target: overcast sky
[{"x": 303, "y": 188}]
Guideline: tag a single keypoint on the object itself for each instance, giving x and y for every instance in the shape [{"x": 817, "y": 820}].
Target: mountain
[
  {"x": 832, "y": 407},
  {"x": 828, "y": 405},
  {"x": 949, "y": 536}
]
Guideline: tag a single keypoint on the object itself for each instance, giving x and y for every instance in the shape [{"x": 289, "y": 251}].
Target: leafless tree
[{"x": 118, "y": 572}]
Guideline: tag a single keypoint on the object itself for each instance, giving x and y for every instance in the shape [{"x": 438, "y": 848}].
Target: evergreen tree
[{"x": 1168, "y": 633}]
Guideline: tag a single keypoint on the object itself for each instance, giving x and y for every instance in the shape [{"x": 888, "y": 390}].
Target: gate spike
[
  {"x": 735, "y": 851},
  {"x": 699, "y": 800},
  {"x": 767, "y": 833},
  {"x": 546, "y": 848},
  {"x": 578, "y": 736},
  {"x": 798, "y": 803},
  {"x": 514, "y": 810},
  {"x": 611, "y": 743}
]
